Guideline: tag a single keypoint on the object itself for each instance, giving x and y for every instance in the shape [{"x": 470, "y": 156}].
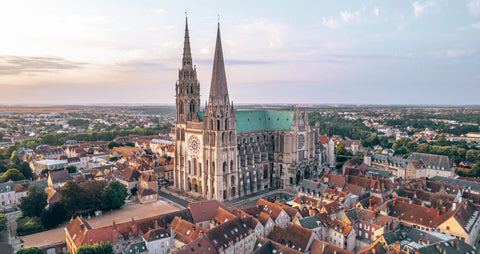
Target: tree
[
  {"x": 72, "y": 197},
  {"x": 12, "y": 174},
  {"x": 30, "y": 250},
  {"x": 112, "y": 144},
  {"x": 55, "y": 215},
  {"x": 25, "y": 169},
  {"x": 33, "y": 204},
  {"x": 341, "y": 149},
  {"x": 98, "y": 248},
  {"x": 94, "y": 195},
  {"x": 116, "y": 194},
  {"x": 71, "y": 169},
  {"x": 3, "y": 222}
]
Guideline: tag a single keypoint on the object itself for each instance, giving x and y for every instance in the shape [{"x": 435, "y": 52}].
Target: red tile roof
[{"x": 204, "y": 210}]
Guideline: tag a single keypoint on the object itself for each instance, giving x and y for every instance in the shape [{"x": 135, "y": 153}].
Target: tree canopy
[
  {"x": 98, "y": 248},
  {"x": 30, "y": 250},
  {"x": 33, "y": 204},
  {"x": 12, "y": 174},
  {"x": 116, "y": 194}
]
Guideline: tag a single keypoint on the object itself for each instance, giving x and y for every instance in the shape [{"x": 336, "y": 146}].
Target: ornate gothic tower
[
  {"x": 187, "y": 87},
  {"x": 187, "y": 107},
  {"x": 220, "y": 135}
]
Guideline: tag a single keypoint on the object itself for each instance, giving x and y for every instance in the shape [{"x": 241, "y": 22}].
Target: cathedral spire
[
  {"x": 187, "y": 53},
  {"x": 218, "y": 88}
]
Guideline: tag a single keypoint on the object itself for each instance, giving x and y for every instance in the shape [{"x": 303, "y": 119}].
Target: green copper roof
[
  {"x": 262, "y": 119},
  {"x": 200, "y": 116}
]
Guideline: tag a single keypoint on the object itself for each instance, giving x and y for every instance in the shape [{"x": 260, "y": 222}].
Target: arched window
[
  {"x": 232, "y": 180},
  {"x": 189, "y": 167},
  {"x": 226, "y": 124},
  {"x": 231, "y": 137},
  {"x": 200, "y": 169},
  {"x": 231, "y": 166},
  {"x": 218, "y": 125},
  {"x": 211, "y": 124},
  {"x": 206, "y": 166},
  {"x": 192, "y": 106},
  {"x": 265, "y": 172},
  {"x": 213, "y": 167},
  {"x": 224, "y": 167},
  {"x": 223, "y": 138},
  {"x": 195, "y": 166}
]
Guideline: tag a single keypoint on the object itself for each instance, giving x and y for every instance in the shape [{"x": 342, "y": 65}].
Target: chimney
[
  {"x": 114, "y": 225},
  {"x": 451, "y": 242},
  {"x": 408, "y": 250},
  {"x": 438, "y": 212},
  {"x": 457, "y": 245},
  {"x": 428, "y": 241}
]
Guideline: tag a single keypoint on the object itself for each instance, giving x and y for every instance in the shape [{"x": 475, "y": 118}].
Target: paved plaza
[{"x": 138, "y": 211}]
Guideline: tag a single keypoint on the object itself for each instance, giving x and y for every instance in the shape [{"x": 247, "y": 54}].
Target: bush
[{"x": 27, "y": 225}]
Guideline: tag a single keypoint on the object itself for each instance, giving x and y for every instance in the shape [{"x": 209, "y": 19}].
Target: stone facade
[{"x": 223, "y": 153}]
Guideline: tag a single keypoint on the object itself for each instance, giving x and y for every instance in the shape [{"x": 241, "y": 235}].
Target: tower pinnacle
[
  {"x": 187, "y": 53},
  {"x": 218, "y": 88}
]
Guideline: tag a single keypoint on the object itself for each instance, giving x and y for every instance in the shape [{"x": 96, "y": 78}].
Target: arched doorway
[
  {"x": 298, "y": 177},
  {"x": 307, "y": 173}
]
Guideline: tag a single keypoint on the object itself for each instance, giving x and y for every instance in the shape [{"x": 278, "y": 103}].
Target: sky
[{"x": 296, "y": 52}]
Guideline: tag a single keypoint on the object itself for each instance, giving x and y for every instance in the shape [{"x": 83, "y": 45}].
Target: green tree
[
  {"x": 33, "y": 204},
  {"x": 94, "y": 195},
  {"x": 30, "y": 250},
  {"x": 98, "y": 248},
  {"x": 55, "y": 215},
  {"x": 71, "y": 197},
  {"x": 341, "y": 149},
  {"x": 71, "y": 169},
  {"x": 12, "y": 174},
  {"x": 3, "y": 222},
  {"x": 112, "y": 144},
  {"x": 116, "y": 194},
  {"x": 25, "y": 169}
]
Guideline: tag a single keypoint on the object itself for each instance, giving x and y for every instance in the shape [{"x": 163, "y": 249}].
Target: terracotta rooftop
[
  {"x": 204, "y": 210},
  {"x": 293, "y": 236}
]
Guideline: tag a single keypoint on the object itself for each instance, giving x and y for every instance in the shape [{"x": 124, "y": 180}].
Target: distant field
[{"x": 37, "y": 110}]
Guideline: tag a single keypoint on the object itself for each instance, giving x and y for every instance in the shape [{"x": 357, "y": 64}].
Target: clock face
[
  {"x": 194, "y": 145},
  {"x": 301, "y": 141}
]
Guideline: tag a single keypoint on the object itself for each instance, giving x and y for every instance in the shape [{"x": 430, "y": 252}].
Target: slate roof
[
  {"x": 137, "y": 248},
  {"x": 435, "y": 161},
  {"x": 61, "y": 176},
  {"x": 310, "y": 222},
  {"x": 263, "y": 119},
  {"x": 467, "y": 184}
]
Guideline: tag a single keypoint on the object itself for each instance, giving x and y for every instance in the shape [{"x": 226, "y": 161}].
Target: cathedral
[{"x": 223, "y": 153}]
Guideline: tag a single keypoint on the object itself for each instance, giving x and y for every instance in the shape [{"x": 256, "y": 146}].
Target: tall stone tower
[
  {"x": 220, "y": 134},
  {"x": 187, "y": 107}
]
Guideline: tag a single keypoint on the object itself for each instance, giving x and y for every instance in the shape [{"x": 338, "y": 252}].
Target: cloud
[
  {"x": 330, "y": 22},
  {"x": 419, "y": 8},
  {"x": 452, "y": 53},
  {"x": 376, "y": 11},
  {"x": 475, "y": 25},
  {"x": 14, "y": 65},
  {"x": 474, "y": 7},
  {"x": 160, "y": 10},
  {"x": 348, "y": 16},
  {"x": 400, "y": 27}
]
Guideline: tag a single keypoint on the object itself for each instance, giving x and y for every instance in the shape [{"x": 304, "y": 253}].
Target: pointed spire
[
  {"x": 187, "y": 53},
  {"x": 218, "y": 88}
]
